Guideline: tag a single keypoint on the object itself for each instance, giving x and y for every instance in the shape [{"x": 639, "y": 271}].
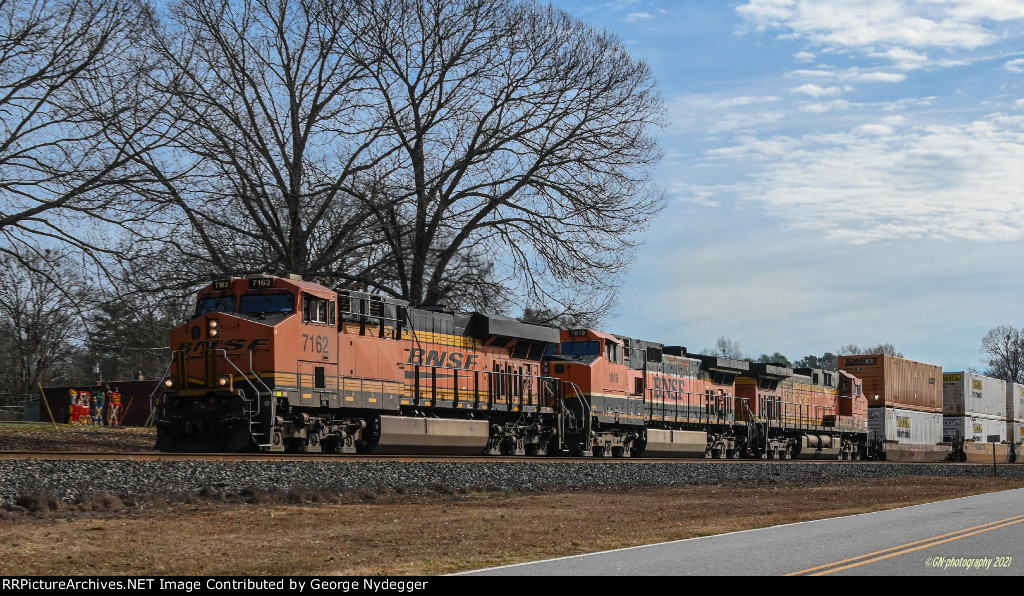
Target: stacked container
[
  {"x": 1014, "y": 412},
  {"x": 974, "y": 408},
  {"x": 904, "y": 397}
]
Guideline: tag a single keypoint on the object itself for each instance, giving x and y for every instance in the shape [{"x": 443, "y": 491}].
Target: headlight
[
  {"x": 169, "y": 383},
  {"x": 212, "y": 328},
  {"x": 224, "y": 381}
]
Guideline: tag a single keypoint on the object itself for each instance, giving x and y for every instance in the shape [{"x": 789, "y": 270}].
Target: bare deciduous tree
[
  {"x": 726, "y": 348},
  {"x": 65, "y": 70},
  {"x": 38, "y": 319},
  {"x": 523, "y": 139},
  {"x": 885, "y": 348},
  {"x": 266, "y": 130},
  {"x": 470, "y": 152},
  {"x": 1003, "y": 346}
]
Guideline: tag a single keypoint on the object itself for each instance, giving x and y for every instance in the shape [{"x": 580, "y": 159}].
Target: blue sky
[{"x": 847, "y": 171}]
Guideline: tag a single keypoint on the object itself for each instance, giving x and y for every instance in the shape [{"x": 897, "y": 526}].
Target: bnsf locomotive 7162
[{"x": 280, "y": 364}]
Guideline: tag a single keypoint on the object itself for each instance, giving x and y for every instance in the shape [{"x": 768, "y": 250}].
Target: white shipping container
[
  {"x": 1014, "y": 401},
  {"x": 908, "y": 427},
  {"x": 973, "y": 428},
  {"x": 967, "y": 394}
]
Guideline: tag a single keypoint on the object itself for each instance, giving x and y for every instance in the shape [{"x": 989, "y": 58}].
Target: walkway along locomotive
[{"x": 280, "y": 364}]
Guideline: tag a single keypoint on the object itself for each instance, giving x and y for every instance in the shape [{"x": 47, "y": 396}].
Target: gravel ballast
[{"x": 71, "y": 480}]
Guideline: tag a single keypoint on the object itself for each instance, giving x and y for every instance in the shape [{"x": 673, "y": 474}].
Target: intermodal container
[
  {"x": 900, "y": 425},
  {"x": 1015, "y": 402},
  {"x": 968, "y": 394},
  {"x": 889, "y": 381},
  {"x": 973, "y": 428}
]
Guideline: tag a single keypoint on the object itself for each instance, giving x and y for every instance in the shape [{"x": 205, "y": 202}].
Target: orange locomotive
[
  {"x": 279, "y": 364},
  {"x": 645, "y": 398},
  {"x": 802, "y": 412},
  {"x": 648, "y": 399}
]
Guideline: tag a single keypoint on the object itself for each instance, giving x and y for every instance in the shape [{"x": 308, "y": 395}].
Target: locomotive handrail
[
  {"x": 585, "y": 411},
  {"x": 246, "y": 378},
  {"x": 256, "y": 375},
  {"x": 753, "y": 418},
  {"x": 152, "y": 406}
]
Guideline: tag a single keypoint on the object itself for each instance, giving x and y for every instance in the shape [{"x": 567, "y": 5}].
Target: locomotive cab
[
  {"x": 215, "y": 397},
  {"x": 609, "y": 376}
]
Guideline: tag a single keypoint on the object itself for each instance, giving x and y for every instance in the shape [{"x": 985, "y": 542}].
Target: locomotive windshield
[
  {"x": 267, "y": 303},
  {"x": 215, "y": 304},
  {"x": 581, "y": 348}
]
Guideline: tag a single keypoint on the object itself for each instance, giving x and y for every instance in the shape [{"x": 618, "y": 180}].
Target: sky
[{"x": 840, "y": 172}]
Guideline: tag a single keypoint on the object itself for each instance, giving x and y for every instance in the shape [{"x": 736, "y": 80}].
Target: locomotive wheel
[{"x": 330, "y": 445}]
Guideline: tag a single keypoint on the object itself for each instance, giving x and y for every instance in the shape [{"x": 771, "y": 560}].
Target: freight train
[{"x": 279, "y": 364}]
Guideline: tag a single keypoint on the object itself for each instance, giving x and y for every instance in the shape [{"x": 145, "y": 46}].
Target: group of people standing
[{"x": 101, "y": 407}]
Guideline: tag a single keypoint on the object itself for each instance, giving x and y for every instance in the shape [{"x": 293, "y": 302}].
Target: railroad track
[{"x": 349, "y": 458}]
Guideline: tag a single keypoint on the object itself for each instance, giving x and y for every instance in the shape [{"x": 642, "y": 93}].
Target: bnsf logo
[
  {"x": 668, "y": 384},
  {"x": 421, "y": 357},
  {"x": 227, "y": 344}
]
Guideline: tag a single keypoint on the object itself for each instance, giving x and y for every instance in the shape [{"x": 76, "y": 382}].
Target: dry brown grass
[
  {"x": 44, "y": 437},
  {"x": 400, "y": 532},
  {"x": 415, "y": 533}
]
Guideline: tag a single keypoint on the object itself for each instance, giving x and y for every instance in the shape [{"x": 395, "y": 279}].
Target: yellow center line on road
[{"x": 909, "y": 547}]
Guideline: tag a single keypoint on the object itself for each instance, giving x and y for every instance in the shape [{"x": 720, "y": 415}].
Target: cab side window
[{"x": 317, "y": 310}]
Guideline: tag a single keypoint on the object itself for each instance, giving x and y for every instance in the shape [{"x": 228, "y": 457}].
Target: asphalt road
[{"x": 972, "y": 536}]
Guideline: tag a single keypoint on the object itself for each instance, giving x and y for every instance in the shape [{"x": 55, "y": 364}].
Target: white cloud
[
  {"x": 715, "y": 114},
  {"x": 892, "y": 29},
  {"x": 699, "y": 195},
  {"x": 902, "y": 58},
  {"x": 1016, "y": 65},
  {"x": 817, "y": 90},
  {"x": 635, "y": 17},
  {"x": 887, "y": 180},
  {"x": 725, "y": 103},
  {"x": 850, "y": 75},
  {"x": 621, "y": 4},
  {"x": 875, "y": 129},
  {"x": 907, "y": 103},
  {"x": 828, "y": 106},
  {"x": 804, "y": 57},
  {"x": 881, "y": 77}
]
